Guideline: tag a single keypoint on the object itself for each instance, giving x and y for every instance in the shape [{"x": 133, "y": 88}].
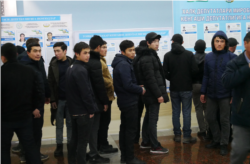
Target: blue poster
[{"x": 200, "y": 19}]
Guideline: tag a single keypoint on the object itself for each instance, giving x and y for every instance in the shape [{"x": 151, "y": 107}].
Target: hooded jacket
[
  {"x": 42, "y": 71},
  {"x": 125, "y": 83},
  {"x": 36, "y": 66},
  {"x": 180, "y": 68},
  {"x": 237, "y": 77},
  {"x": 95, "y": 72},
  {"x": 149, "y": 72},
  {"x": 215, "y": 66}
]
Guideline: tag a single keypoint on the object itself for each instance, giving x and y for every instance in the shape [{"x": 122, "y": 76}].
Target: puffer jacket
[
  {"x": 149, "y": 72},
  {"x": 215, "y": 66}
]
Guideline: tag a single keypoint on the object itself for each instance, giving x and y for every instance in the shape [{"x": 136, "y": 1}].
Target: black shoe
[
  {"x": 177, "y": 138},
  {"x": 189, "y": 140},
  {"x": 59, "y": 150},
  {"x": 201, "y": 134},
  {"x": 223, "y": 150},
  {"x": 213, "y": 145},
  {"x": 136, "y": 161},
  {"x": 44, "y": 157},
  {"x": 22, "y": 159},
  {"x": 16, "y": 149},
  {"x": 98, "y": 159},
  {"x": 107, "y": 149}
]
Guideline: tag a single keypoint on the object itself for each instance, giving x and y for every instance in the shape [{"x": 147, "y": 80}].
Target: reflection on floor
[{"x": 178, "y": 154}]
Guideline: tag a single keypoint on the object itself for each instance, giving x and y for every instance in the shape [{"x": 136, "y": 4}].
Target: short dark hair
[
  {"x": 32, "y": 45},
  {"x": 80, "y": 46},
  {"x": 104, "y": 42},
  {"x": 60, "y": 44},
  {"x": 247, "y": 37},
  {"x": 95, "y": 41},
  {"x": 49, "y": 33},
  {"x": 32, "y": 40},
  {"x": 8, "y": 50},
  {"x": 20, "y": 49},
  {"x": 126, "y": 44}
]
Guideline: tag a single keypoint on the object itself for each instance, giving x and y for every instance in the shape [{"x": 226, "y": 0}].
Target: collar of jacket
[
  {"x": 9, "y": 62},
  {"x": 79, "y": 62},
  {"x": 103, "y": 58},
  {"x": 125, "y": 58},
  {"x": 145, "y": 51},
  {"x": 54, "y": 60},
  {"x": 94, "y": 55},
  {"x": 241, "y": 59}
]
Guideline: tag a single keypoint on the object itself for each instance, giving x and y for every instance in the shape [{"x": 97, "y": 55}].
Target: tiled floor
[{"x": 178, "y": 153}]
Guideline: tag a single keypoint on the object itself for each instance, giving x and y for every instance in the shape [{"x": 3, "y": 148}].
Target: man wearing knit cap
[
  {"x": 200, "y": 108},
  {"x": 179, "y": 68},
  {"x": 232, "y": 44},
  {"x": 217, "y": 97}
]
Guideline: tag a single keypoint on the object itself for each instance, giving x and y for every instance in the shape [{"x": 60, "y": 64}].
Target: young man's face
[
  {"x": 84, "y": 55},
  {"x": 49, "y": 36},
  {"x": 35, "y": 53},
  {"x": 232, "y": 49},
  {"x": 59, "y": 53},
  {"x": 247, "y": 46},
  {"x": 154, "y": 45},
  {"x": 219, "y": 44},
  {"x": 103, "y": 51},
  {"x": 129, "y": 52}
]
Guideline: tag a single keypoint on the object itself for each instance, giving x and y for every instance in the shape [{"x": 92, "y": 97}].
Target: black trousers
[
  {"x": 105, "y": 119},
  {"x": 128, "y": 128},
  {"x": 140, "y": 111},
  {"x": 80, "y": 137},
  {"x": 37, "y": 132},
  {"x": 24, "y": 131}
]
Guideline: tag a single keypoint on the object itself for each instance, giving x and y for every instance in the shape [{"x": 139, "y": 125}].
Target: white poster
[
  {"x": 209, "y": 31},
  {"x": 247, "y": 27},
  {"x": 234, "y": 31},
  {"x": 48, "y": 29},
  {"x": 238, "y": 52},
  {"x": 189, "y": 33}
]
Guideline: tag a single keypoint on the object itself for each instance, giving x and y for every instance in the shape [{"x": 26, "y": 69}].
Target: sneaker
[
  {"x": 189, "y": 140},
  {"x": 213, "y": 145},
  {"x": 177, "y": 138},
  {"x": 159, "y": 150},
  {"x": 145, "y": 145},
  {"x": 98, "y": 159},
  {"x": 108, "y": 149},
  {"x": 223, "y": 150},
  {"x": 44, "y": 157},
  {"x": 16, "y": 149},
  {"x": 136, "y": 161},
  {"x": 22, "y": 159}
]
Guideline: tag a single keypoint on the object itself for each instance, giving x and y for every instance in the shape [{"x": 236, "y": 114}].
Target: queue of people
[{"x": 81, "y": 90}]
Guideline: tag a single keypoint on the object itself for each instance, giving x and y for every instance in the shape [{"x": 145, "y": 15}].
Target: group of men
[{"x": 82, "y": 90}]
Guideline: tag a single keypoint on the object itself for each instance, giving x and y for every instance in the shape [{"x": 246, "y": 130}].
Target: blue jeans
[
  {"x": 184, "y": 99},
  {"x": 61, "y": 110},
  {"x": 149, "y": 127},
  {"x": 24, "y": 131}
]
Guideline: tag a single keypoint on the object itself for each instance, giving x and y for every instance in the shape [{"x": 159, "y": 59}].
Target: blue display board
[{"x": 201, "y": 19}]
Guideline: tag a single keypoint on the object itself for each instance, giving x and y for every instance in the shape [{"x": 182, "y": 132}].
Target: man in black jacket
[
  {"x": 32, "y": 60},
  {"x": 81, "y": 104},
  {"x": 180, "y": 67},
  {"x": 19, "y": 102},
  {"x": 128, "y": 93},
  {"x": 97, "y": 82},
  {"x": 57, "y": 71},
  {"x": 148, "y": 67},
  {"x": 200, "y": 108},
  {"x": 237, "y": 77}
]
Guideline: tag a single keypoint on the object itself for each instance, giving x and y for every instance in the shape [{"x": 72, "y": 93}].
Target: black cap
[
  {"x": 232, "y": 42},
  {"x": 143, "y": 43},
  {"x": 152, "y": 36},
  {"x": 177, "y": 38}
]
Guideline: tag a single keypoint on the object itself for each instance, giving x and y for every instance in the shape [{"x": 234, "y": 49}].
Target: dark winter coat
[
  {"x": 125, "y": 83},
  {"x": 97, "y": 81},
  {"x": 180, "y": 68},
  {"x": 149, "y": 72},
  {"x": 21, "y": 92},
  {"x": 237, "y": 77},
  {"x": 215, "y": 66}
]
